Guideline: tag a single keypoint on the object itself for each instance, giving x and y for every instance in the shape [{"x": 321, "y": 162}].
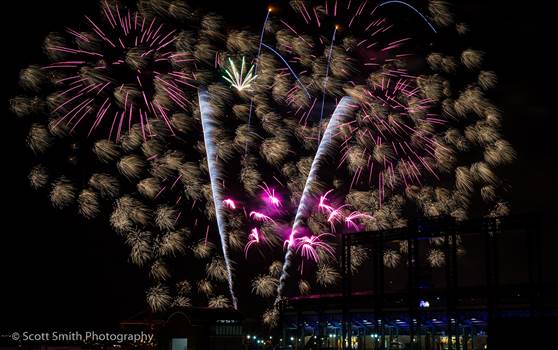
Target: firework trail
[
  {"x": 208, "y": 126},
  {"x": 412, "y": 8},
  {"x": 272, "y": 50},
  {"x": 327, "y": 145},
  {"x": 325, "y": 80},
  {"x": 256, "y": 72}
]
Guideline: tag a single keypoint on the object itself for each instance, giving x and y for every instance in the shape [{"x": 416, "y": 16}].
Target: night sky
[{"x": 57, "y": 269}]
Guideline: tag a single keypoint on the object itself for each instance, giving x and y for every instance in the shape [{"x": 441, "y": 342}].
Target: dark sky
[{"x": 56, "y": 269}]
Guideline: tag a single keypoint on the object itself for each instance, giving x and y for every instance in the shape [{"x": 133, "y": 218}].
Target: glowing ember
[
  {"x": 258, "y": 216},
  {"x": 253, "y": 238},
  {"x": 229, "y": 203}
]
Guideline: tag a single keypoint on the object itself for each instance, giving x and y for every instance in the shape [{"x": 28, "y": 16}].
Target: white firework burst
[
  {"x": 391, "y": 258},
  {"x": 219, "y": 302},
  {"x": 264, "y": 285},
  {"x": 271, "y": 318},
  {"x": 327, "y": 275},
  {"x": 158, "y": 298},
  {"x": 436, "y": 258}
]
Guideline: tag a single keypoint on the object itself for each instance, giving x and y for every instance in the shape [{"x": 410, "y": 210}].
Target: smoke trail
[
  {"x": 208, "y": 126},
  {"x": 327, "y": 145}
]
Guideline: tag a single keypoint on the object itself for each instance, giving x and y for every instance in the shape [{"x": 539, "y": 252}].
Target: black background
[{"x": 59, "y": 270}]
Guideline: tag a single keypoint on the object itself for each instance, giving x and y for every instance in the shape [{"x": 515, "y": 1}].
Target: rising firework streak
[
  {"x": 208, "y": 126},
  {"x": 412, "y": 8},
  {"x": 256, "y": 73},
  {"x": 327, "y": 145},
  {"x": 272, "y": 50}
]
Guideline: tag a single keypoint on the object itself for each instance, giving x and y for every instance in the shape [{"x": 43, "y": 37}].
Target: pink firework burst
[
  {"x": 270, "y": 196},
  {"x": 259, "y": 216},
  {"x": 290, "y": 241},
  {"x": 335, "y": 214},
  {"x": 350, "y": 220},
  {"x": 254, "y": 238},
  {"x": 229, "y": 203},
  {"x": 118, "y": 73},
  {"x": 323, "y": 204},
  {"x": 338, "y": 214},
  {"x": 308, "y": 246},
  {"x": 390, "y": 140}
]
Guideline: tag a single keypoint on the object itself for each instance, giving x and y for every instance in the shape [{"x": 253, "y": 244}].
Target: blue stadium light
[{"x": 424, "y": 304}]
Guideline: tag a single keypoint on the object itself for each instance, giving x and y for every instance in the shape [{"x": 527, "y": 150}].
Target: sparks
[
  {"x": 355, "y": 215},
  {"x": 308, "y": 247},
  {"x": 229, "y": 203},
  {"x": 253, "y": 238},
  {"x": 240, "y": 80},
  {"x": 336, "y": 215},
  {"x": 258, "y": 216},
  {"x": 113, "y": 103},
  {"x": 322, "y": 204},
  {"x": 270, "y": 196},
  {"x": 290, "y": 241}
]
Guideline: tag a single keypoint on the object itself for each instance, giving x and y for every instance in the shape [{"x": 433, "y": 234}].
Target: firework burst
[
  {"x": 241, "y": 79},
  {"x": 141, "y": 86},
  {"x": 118, "y": 73}
]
